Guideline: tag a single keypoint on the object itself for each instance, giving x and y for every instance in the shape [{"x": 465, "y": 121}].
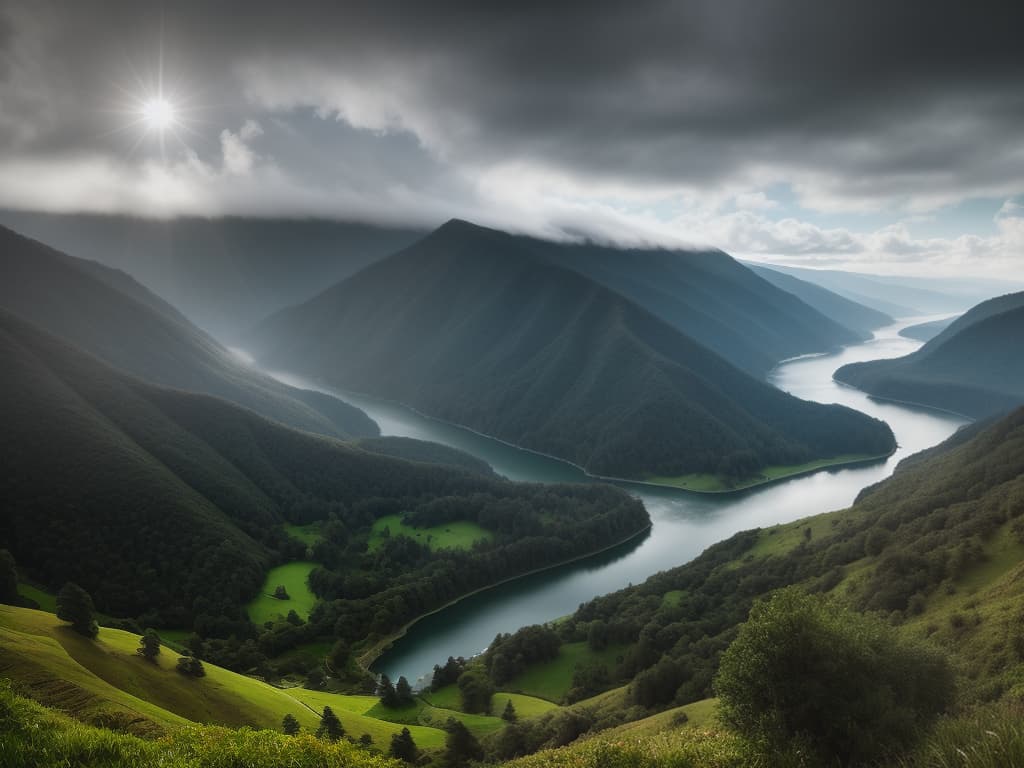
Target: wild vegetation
[{"x": 169, "y": 507}]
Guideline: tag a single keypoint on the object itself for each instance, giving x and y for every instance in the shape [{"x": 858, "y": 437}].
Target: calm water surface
[{"x": 684, "y": 523}]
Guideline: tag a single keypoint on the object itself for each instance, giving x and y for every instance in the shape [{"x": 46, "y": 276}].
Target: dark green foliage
[
  {"x": 8, "y": 579},
  {"x": 403, "y": 692},
  {"x": 475, "y": 691},
  {"x": 597, "y": 635},
  {"x": 190, "y": 666},
  {"x": 314, "y": 679},
  {"x": 806, "y": 674},
  {"x": 149, "y": 645},
  {"x": 330, "y": 726},
  {"x": 289, "y": 725},
  {"x": 339, "y": 658},
  {"x": 509, "y": 655},
  {"x": 974, "y": 366},
  {"x": 280, "y": 592},
  {"x": 918, "y": 529},
  {"x": 386, "y": 692},
  {"x": 366, "y": 740},
  {"x": 209, "y": 486},
  {"x": 551, "y": 360},
  {"x": 75, "y": 605},
  {"x": 424, "y": 451},
  {"x": 447, "y": 674},
  {"x": 403, "y": 747},
  {"x": 508, "y": 714},
  {"x": 460, "y": 747}
]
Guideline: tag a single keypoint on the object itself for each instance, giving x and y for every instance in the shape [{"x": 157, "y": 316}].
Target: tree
[
  {"x": 509, "y": 713},
  {"x": 805, "y": 673},
  {"x": 8, "y": 579},
  {"x": 366, "y": 740},
  {"x": 330, "y": 726},
  {"x": 314, "y": 679},
  {"x": 338, "y": 657},
  {"x": 476, "y": 691},
  {"x": 403, "y": 747},
  {"x": 281, "y": 593},
  {"x": 403, "y": 692},
  {"x": 190, "y": 666},
  {"x": 460, "y": 746},
  {"x": 75, "y": 605},
  {"x": 289, "y": 725},
  {"x": 149, "y": 645},
  {"x": 386, "y": 691},
  {"x": 597, "y": 635}
]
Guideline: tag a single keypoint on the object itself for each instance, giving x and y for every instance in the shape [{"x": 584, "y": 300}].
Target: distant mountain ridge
[
  {"x": 975, "y": 366},
  {"x": 474, "y": 326},
  {"x": 109, "y": 314},
  {"x": 226, "y": 273}
]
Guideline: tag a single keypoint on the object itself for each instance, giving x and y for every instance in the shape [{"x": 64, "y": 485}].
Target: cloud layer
[{"x": 660, "y": 121}]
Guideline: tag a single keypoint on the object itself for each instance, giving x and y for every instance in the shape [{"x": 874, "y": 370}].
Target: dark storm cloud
[{"x": 879, "y": 98}]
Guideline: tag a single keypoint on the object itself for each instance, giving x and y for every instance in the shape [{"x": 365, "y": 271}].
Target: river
[{"x": 684, "y": 523}]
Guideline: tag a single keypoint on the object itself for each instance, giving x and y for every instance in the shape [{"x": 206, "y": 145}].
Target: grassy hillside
[
  {"x": 850, "y": 314},
  {"x": 170, "y": 507},
  {"x": 108, "y": 314},
  {"x": 973, "y": 367},
  {"x": 938, "y": 549},
  {"x": 224, "y": 273},
  {"x": 480, "y": 328}
]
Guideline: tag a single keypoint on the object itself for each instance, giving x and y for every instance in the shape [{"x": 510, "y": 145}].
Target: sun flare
[{"x": 158, "y": 113}]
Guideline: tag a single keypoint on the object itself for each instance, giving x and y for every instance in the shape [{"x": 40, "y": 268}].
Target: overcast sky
[{"x": 879, "y": 136}]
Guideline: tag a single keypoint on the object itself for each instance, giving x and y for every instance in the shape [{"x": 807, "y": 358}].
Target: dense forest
[
  {"x": 906, "y": 543},
  {"x": 169, "y": 507},
  {"x": 974, "y": 366},
  {"x": 471, "y": 326},
  {"x": 107, "y": 313}
]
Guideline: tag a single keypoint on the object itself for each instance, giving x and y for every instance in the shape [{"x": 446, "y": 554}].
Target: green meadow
[
  {"x": 455, "y": 535},
  {"x": 293, "y": 577}
]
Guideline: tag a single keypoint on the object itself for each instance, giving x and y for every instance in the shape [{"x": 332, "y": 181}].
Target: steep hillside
[
  {"x": 171, "y": 506},
  {"x": 710, "y": 297},
  {"x": 975, "y": 366},
  {"x": 938, "y": 548},
  {"x": 472, "y": 326},
  {"x": 225, "y": 273},
  {"x": 842, "y": 310},
  {"x": 421, "y": 450},
  {"x": 107, "y": 313}
]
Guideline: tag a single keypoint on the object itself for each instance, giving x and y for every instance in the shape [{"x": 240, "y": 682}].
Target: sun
[{"x": 158, "y": 113}]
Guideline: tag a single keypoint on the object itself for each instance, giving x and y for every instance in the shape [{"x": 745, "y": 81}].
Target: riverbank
[{"x": 368, "y": 657}]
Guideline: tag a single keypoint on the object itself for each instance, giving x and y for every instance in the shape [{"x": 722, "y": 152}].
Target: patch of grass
[
  {"x": 307, "y": 534},
  {"x": 553, "y": 679},
  {"x": 671, "y": 598},
  {"x": 423, "y": 713},
  {"x": 708, "y": 483},
  {"x": 46, "y": 601},
  {"x": 293, "y": 576},
  {"x": 526, "y": 706},
  {"x": 455, "y": 535},
  {"x": 353, "y": 713}
]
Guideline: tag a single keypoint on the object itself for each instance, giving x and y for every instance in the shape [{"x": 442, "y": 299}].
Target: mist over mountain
[
  {"x": 475, "y": 326},
  {"x": 224, "y": 273},
  {"x": 975, "y": 366},
  {"x": 110, "y": 315},
  {"x": 853, "y": 315}
]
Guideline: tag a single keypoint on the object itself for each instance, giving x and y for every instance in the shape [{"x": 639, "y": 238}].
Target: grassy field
[
  {"x": 47, "y": 602},
  {"x": 293, "y": 577},
  {"x": 105, "y": 680},
  {"x": 422, "y": 713},
  {"x": 706, "y": 483},
  {"x": 553, "y": 679},
  {"x": 448, "y": 698},
  {"x": 307, "y": 534},
  {"x": 456, "y": 535}
]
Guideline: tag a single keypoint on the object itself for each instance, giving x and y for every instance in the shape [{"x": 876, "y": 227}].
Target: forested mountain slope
[
  {"x": 853, "y": 315},
  {"x": 471, "y": 326},
  {"x": 109, "y": 314},
  {"x": 975, "y": 366},
  {"x": 171, "y": 506},
  {"x": 710, "y": 297}
]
